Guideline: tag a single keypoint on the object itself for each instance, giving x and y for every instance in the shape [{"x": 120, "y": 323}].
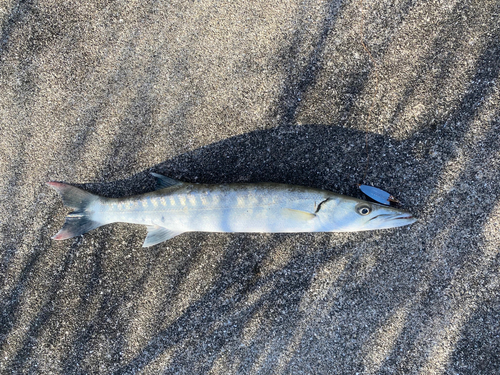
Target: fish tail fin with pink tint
[{"x": 80, "y": 220}]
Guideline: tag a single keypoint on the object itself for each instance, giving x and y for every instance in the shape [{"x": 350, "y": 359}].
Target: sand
[{"x": 100, "y": 94}]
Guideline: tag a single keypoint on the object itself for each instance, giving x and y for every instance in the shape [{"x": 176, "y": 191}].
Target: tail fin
[{"x": 79, "y": 221}]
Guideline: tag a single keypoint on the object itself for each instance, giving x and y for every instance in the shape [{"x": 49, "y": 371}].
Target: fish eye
[{"x": 363, "y": 209}]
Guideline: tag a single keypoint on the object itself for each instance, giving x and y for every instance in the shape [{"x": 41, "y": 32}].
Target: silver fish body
[{"x": 178, "y": 207}]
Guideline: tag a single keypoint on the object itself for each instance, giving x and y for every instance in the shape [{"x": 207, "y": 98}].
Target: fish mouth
[
  {"x": 402, "y": 219},
  {"x": 393, "y": 220}
]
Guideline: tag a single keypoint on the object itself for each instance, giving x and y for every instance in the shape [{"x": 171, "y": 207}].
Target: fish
[{"x": 176, "y": 207}]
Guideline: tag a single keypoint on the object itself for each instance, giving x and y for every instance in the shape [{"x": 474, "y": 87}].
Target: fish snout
[{"x": 391, "y": 220}]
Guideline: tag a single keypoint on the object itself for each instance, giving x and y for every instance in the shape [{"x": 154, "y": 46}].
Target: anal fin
[{"x": 157, "y": 234}]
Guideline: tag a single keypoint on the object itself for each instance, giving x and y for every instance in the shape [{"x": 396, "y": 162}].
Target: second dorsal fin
[{"x": 163, "y": 182}]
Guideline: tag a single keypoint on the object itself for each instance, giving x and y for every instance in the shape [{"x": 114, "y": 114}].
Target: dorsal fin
[{"x": 163, "y": 182}]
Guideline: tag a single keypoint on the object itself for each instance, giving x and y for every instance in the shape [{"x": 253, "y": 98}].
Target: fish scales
[
  {"x": 178, "y": 207},
  {"x": 239, "y": 207}
]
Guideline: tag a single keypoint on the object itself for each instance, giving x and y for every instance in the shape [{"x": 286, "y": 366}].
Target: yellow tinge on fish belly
[{"x": 176, "y": 207}]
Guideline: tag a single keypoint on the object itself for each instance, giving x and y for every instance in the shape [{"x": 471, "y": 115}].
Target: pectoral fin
[
  {"x": 158, "y": 234},
  {"x": 298, "y": 214}
]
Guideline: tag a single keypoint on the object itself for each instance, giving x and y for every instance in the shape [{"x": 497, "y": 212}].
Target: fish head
[{"x": 349, "y": 214}]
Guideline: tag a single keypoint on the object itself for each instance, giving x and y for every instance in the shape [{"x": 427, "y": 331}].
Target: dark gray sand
[{"x": 102, "y": 93}]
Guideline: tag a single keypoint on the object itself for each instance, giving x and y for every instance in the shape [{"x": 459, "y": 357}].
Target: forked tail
[{"x": 79, "y": 221}]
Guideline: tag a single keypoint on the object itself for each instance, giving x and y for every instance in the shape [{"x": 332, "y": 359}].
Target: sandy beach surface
[{"x": 100, "y": 94}]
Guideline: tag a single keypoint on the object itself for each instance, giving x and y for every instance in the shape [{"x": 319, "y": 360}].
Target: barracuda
[{"x": 176, "y": 207}]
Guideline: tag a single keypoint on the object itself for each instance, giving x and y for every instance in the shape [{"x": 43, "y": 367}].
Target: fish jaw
[{"x": 394, "y": 220}]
